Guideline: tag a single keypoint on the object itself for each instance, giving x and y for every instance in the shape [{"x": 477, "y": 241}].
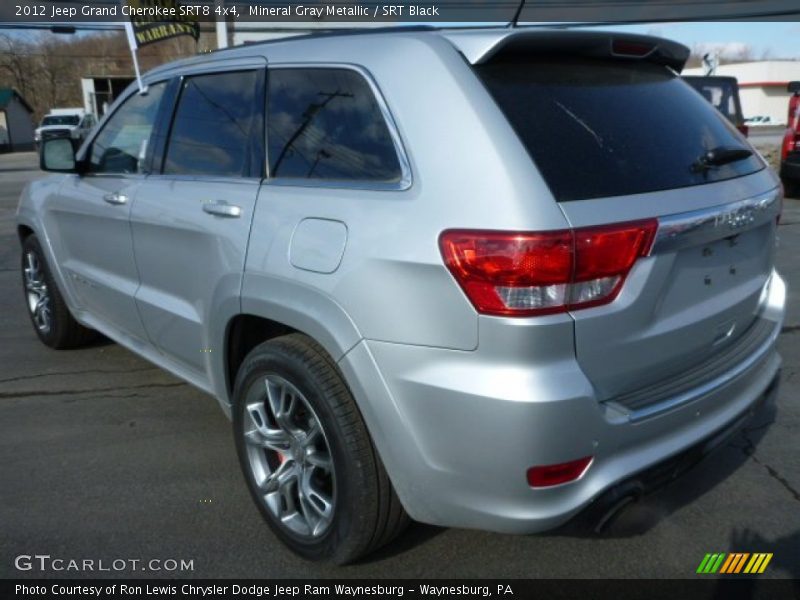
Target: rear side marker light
[
  {"x": 549, "y": 475},
  {"x": 526, "y": 274}
]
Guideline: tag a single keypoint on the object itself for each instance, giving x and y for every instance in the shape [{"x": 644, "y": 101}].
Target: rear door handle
[
  {"x": 116, "y": 198},
  {"x": 222, "y": 209}
]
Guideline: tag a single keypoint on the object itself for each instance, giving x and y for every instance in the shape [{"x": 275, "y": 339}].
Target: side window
[
  {"x": 122, "y": 144},
  {"x": 326, "y": 124},
  {"x": 213, "y": 125}
]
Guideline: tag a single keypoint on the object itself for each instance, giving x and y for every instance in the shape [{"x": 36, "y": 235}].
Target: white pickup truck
[{"x": 74, "y": 122}]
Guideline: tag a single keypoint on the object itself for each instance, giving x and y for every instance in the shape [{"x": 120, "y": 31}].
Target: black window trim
[
  {"x": 256, "y": 151},
  {"x": 406, "y": 179},
  {"x": 162, "y": 126}
]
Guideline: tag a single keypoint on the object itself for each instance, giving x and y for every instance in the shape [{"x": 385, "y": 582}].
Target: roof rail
[{"x": 332, "y": 32}]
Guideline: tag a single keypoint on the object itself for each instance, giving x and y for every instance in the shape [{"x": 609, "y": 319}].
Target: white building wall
[{"x": 760, "y": 100}]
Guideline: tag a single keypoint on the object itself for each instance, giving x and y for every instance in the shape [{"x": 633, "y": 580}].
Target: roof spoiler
[{"x": 480, "y": 48}]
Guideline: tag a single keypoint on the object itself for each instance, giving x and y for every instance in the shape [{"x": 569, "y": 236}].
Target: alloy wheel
[
  {"x": 289, "y": 457},
  {"x": 36, "y": 292}
]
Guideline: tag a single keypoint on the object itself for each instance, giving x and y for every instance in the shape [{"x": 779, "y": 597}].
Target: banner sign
[{"x": 157, "y": 20}]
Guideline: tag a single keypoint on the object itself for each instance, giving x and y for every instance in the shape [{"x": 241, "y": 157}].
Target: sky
[{"x": 776, "y": 39}]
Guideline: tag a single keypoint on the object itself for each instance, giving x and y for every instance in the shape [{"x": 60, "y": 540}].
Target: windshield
[
  {"x": 600, "y": 128},
  {"x": 61, "y": 120}
]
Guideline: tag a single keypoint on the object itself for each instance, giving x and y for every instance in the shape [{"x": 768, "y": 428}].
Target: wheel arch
[
  {"x": 271, "y": 307},
  {"x": 24, "y": 232},
  {"x": 243, "y": 333}
]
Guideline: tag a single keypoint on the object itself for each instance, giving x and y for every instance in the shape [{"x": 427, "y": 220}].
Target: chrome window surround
[
  {"x": 165, "y": 74},
  {"x": 199, "y": 70},
  {"x": 401, "y": 184}
]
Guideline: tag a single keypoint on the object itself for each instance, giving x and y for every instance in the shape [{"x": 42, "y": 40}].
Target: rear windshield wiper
[{"x": 720, "y": 156}]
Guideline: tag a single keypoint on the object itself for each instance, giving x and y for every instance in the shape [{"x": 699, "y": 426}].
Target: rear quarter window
[
  {"x": 326, "y": 124},
  {"x": 600, "y": 128}
]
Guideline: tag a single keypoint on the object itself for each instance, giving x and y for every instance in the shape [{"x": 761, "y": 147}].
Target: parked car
[
  {"x": 790, "y": 148},
  {"x": 483, "y": 279},
  {"x": 723, "y": 93},
  {"x": 74, "y": 123},
  {"x": 793, "y": 88}
]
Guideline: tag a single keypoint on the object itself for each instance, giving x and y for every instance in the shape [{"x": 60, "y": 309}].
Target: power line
[
  {"x": 66, "y": 56},
  {"x": 76, "y": 26}
]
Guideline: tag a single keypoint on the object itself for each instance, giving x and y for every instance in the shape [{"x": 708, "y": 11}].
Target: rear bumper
[
  {"x": 597, "y": 515},
  {"x": 458, "y": 430}
]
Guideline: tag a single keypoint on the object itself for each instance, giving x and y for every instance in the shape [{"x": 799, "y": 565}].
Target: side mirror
[
  {"x": 793, "y": 87},
  {"x": 58, "y": 155}
]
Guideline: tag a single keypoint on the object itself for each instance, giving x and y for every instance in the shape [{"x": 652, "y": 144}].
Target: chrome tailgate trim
[{"x": 697, "y": 227}]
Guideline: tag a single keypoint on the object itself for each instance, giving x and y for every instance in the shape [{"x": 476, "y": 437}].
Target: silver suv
[{"x": 481, "y": 278}]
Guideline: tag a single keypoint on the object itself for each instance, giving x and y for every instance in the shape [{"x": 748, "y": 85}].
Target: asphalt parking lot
[{"x": 106, "y": 457}]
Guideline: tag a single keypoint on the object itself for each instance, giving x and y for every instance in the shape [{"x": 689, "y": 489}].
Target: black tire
[
  {"x": 366, "y": 511},
  {"x": 63, "y": 331},
  {"x": 791, "y": 187}
]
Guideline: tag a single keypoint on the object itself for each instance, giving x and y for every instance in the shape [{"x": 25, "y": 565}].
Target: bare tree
[
  {"x": 744, "y": 54},
  {"x": 16, "y": 64},
  {"x": 726, "y": 53},
  {"x": 47, "y": 69}
]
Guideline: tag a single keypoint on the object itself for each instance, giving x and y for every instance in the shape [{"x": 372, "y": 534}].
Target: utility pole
[
  {"x": 711, "y": 62},
  {"x": 221, "y": 24}
]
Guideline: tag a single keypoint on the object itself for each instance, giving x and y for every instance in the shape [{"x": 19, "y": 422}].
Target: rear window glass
[{"x": 598, "y": 128}]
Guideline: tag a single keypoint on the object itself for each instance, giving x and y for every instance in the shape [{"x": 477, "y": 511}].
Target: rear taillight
[
  {"x": 794, "y": 109},
  {"x": 743, "y": 129},
  {"x": 524, "y": 274}
]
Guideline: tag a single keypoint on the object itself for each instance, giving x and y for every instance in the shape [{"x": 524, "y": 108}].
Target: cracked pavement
[{"x": 105, "y": 456}]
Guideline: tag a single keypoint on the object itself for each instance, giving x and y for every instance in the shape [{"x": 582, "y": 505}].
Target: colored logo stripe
[
  {"x": 758, "y": 563},
  {"x": 711, "y": 563},
  {"x": 735, "y": 562},
  {"x": 728, "y": 563},
  {"x": 703, "y": 563}
]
